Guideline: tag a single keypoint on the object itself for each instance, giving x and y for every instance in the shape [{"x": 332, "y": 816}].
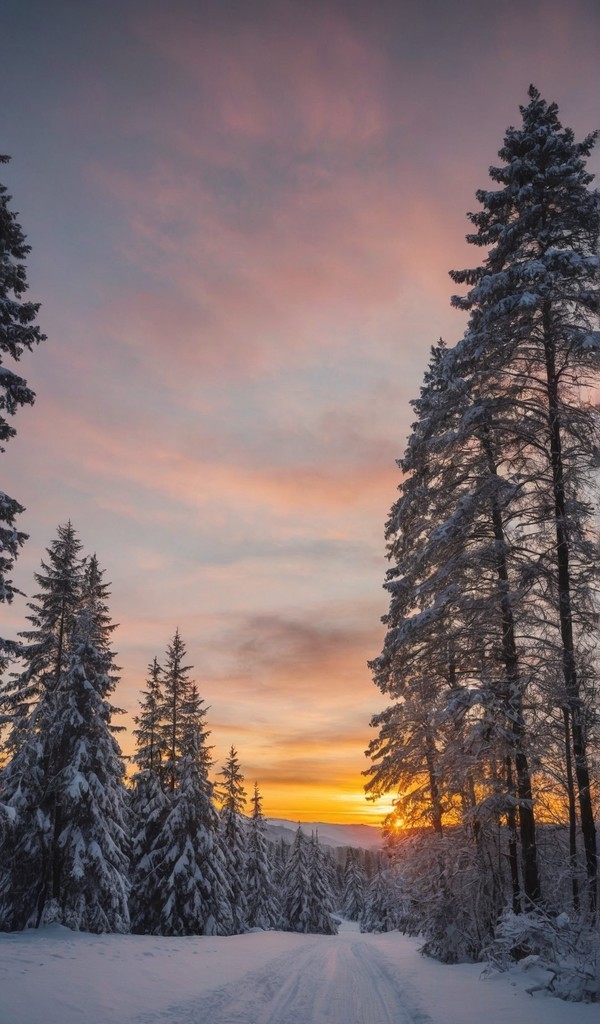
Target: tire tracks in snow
[{"x": 333, "y": 980}]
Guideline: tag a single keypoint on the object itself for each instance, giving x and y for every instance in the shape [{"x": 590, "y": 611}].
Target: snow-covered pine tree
[
  {"x": 18, "y": 332},
  {"x": 353, "y": 896},
  {"x": 281, "y": 855},
  {"x": 64, "y": 855},
  {"x": 150, "y": 737},
  {"x": 46, "y": 648},
  {"x": 28, "y": 699},
  {"x": 453, "y": 653},
  {"x": 264, "y": 910},
  {"x": 534, "y": 319},
  {"x": 321, "y": 896},
  {"x": 90, "y": 829},
  {"x": 296, "y": 896},
  {"x": 149, "y": 807},
  {"x": 380, "y": 912},
  {"x": 176, "y": 683},
  {"x": 233, "y": 836},
  {"x": 187, "y": 862}
]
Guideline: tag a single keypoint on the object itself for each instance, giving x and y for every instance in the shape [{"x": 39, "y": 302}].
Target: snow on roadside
[{"x": 55, "y": 976}]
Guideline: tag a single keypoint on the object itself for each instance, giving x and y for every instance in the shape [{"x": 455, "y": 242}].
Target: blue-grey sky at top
[{"x": 242, "y": 216}]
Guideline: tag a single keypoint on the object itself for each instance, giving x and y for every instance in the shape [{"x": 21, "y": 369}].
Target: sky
[{"x": 242, "y": 217}]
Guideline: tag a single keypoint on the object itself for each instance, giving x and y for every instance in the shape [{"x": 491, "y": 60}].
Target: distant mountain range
[{"x": 366, "y": 837}]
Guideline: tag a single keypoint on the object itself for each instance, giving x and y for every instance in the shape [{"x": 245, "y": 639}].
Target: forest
[{"x": 490, "y": 737}]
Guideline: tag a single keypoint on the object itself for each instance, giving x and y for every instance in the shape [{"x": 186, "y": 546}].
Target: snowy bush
[{"x": 562, "y": 955}]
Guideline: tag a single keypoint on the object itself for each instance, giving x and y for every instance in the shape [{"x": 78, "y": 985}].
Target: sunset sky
[{"x": 242, "y": 216}]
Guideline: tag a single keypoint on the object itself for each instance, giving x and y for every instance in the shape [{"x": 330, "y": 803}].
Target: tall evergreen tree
[
  {"x": 380, "y": 913},
  {"x": 187, "y": 859},
  {"x": 296, "y": 897},
  {"x": 18, "y": 333},
  {"x": 90, "y": 864},
  {"x": 321, "y": 891},
  {"x": 64, "y": 854},
  {"x": 534, "y": 318},
  {"x": 264, "y": 910},
  {"x": 149, "y": 808},
  {"x": 176, "y": 684},
  {"x": 353, "y": 897},
  {"x": 28, "y": 849},
  {"x": 150, "y": 737},
  {"x": 308, "y": 899},
  {"x": 46, "y": 649},
  {"x": 233, "y": 836}
]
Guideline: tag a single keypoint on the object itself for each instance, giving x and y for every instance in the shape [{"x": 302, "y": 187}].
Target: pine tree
[
  {"x": 52, "y": 617},
  {"x": 149, "y": 808},
  {"x": 28, "y": 848},
  {"x": 90, "y": 845},
  {"x": 18, "y": 332},
  {"x": 150, "y": 737},
  {"x": 64, "y": 854},
  {"x": 353, "y": 897},
  {"x": 296, "y": 897},
  {"x": 281, "y": 855},
  {"x": 534, "y": 318},
  {"x": 380, "y": 912},
  {"x": 321, "y": 894},
  {"x": 308, "y": 899},
  {"x": 187, "y": 860},
  {"x": 176, "y": 684},
  {"x": 149, "y": 805},
  {"x": 451, "y": 655},
  {"x": 264, "y": 910},
  {"x": 233, "y": 837}
]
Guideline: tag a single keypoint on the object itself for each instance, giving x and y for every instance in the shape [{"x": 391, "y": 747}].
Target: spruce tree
[
  {"x": 90, "y": 842},
  {"x": 18, "y": 333},
  {"x": 321, "y": 893},
  {"x": 296, "y": 896},
  {"x": 149, "y": 804},
  {"x": 176, "y": 683},
  {"x": 233, "y": 836},
  {"x": 28, "y": 852},
  {"x": 353, "y": 897},
  {"x": 534, "y": 319},
  {"x": 64, "y": 854},
  {"x": 150, "y": 737},
  {"x": 380, "y": 912},
  {"x": 46, "y": 649},
  {"x": 187, "y": 859},
  {"x": 149, "y": 807},
  {"x": 264, "y": 910}
]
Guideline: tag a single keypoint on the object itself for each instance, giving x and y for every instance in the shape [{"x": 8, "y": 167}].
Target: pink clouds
[
  {"x": 267, "y": 80},
  {"x": 249, "y": 215}
]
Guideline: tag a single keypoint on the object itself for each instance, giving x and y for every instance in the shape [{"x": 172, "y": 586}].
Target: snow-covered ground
[{"x": 54, "y": 976}]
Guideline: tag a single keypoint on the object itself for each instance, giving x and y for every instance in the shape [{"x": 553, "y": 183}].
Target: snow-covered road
[
  {"x": 54, "y": 976},
  {"x": 341, "y": 981}
]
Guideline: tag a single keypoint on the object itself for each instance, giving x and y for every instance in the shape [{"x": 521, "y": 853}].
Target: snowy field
[{"x": 55, "y": 976}]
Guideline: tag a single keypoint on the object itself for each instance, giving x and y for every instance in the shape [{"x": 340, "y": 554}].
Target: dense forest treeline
[{"x": 172, "y": 850}]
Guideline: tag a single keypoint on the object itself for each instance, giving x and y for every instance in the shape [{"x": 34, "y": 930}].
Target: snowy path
[
  {"x": 344, "y": 980},
  {"x": 54, "y": 976}
]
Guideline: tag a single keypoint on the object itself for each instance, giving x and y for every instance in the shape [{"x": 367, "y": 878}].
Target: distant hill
[{"x": 365, "y": 837}]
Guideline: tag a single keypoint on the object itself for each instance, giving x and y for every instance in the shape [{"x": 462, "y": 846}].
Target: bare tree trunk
[
  {"x": 574, "y": 705},
  {"x": 531, "y": 877}
]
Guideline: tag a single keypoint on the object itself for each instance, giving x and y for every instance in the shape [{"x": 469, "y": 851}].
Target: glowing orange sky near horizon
[{"x": 242, "y": 217}]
